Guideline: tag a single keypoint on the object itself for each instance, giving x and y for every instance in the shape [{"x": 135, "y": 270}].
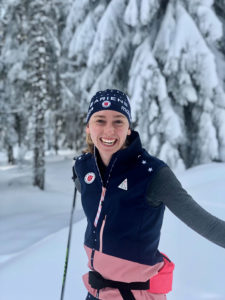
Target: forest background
[{"x": 167, "y": 55}]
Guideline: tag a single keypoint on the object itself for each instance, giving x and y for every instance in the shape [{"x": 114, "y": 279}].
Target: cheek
[
  {"x": 93, "y": 132},
  {"x": 124, "y": 134}
]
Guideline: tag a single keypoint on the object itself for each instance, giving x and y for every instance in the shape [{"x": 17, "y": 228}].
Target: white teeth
[{"x": 108, "y": 142}]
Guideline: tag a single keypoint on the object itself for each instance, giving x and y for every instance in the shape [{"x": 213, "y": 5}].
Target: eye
[
  {"x": 118, "y": 122},
  {"x": 100, "y": 121}
]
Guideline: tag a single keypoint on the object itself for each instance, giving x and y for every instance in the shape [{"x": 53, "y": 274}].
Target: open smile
[{"x": 108, "y": 142}]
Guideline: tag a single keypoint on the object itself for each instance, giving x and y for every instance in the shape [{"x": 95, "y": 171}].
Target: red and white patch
[
  {"x": 106, "y": 104},
  {"x": 89, "y": 177}
]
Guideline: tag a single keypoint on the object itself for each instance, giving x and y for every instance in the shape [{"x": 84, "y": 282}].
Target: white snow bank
[{"x": 35, "y": 271}]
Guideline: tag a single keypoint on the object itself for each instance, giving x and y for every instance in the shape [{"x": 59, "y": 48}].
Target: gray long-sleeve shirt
[{"x": 166, "y": 188}]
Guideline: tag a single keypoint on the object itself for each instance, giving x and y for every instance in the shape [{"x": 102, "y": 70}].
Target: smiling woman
[
  {"x": 124, "y": 192},
  {"x": 108, "y": 130}
]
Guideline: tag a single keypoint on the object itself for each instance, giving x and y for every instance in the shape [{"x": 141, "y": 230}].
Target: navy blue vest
[{"x": 131, "y": 226}]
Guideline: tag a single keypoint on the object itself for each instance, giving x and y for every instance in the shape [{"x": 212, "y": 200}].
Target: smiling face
[{"x": 108, "y": 130}]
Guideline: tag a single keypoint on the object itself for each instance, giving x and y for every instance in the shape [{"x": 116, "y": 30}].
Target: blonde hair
[{"x": 90, "y": 144}]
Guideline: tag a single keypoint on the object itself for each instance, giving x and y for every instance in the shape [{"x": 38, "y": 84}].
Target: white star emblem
[
  {"x": 143, "y": 162},
  {"x": 150, "y": 169}
]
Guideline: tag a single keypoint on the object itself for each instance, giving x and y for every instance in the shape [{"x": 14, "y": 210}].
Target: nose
[{"x": 108, "y": 129}]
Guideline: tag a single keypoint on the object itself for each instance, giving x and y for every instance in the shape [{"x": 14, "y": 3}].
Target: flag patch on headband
[
  {"x": 89, "y": 177},
  {"x": 106, "y": 104}
]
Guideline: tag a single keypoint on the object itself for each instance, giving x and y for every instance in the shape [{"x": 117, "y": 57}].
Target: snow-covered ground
[{"x": 34, "y": 229}]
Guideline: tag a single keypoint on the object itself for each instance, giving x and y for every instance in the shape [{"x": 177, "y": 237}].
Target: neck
[{"x": 105, "y": 160}]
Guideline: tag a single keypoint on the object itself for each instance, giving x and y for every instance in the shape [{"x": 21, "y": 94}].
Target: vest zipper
[
  {"x": 100, "y": 206},
  {"x": 103, "y": 188},
  {"x": 101, "y": 234}
]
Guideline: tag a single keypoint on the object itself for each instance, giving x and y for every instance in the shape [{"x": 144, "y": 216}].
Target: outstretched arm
[{"x": 167, "y": 189}]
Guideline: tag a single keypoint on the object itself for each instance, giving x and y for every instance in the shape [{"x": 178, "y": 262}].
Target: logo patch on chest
[
  {"x": 89, "y": 177},
  {"x": 123, "y": 185}
]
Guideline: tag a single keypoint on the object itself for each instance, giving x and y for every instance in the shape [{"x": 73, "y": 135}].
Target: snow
[
  {"x": 147, "y": 82},
  {"x": 82, "y": 39},
  {"x": 140, "y": 12},
  {"x": 17, "y": 72},
  {"x": 108, "y": 34},
  {"x": 174, "y": 39},
  {"x": 33, "y": 235},
  {"x": 208, "y": 137},
  {"x": 210, "y": 26},
  {"x": 105, "y": 79},
  {"x": 208, "y": 22},
  {"x": 147, "y": 10},
  {"x": 220, "y": 116},
  {"x": 131, "y": 13}
]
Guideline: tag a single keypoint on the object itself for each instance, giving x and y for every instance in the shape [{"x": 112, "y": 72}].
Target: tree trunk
[
  {"x": 11, "y": 159},
  {"x": 39, "y": 79},
  {"x": 39, "y": 152}
]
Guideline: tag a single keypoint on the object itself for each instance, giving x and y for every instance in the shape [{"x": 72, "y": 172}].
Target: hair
[{"x": 90, "y": 144}]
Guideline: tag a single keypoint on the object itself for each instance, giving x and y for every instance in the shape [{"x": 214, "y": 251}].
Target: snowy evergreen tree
[
  {"x": 38, "y": 55},
  {"x": 13, "y": 76},
  {"x": 46, "y": 88},
  {"x": 16, "y": 90},
  {"x": 83, "y": 16},
  {"x": 186, "y": 61},
  {"x": 90, "y": 25},
  {"x": 219, "y": 6},
  {"x": 167, "y": 56}
]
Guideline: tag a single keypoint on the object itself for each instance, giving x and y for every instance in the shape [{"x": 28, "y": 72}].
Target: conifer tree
[
  {"x": 39, "y": 85},
  {"x": 165, "y": 55},
  {"x": 12, "y": 76}
]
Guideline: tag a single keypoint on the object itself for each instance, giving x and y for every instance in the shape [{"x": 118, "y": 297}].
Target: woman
[{"x": 124, "y": 192}]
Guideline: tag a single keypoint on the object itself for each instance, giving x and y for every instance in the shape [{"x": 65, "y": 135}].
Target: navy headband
[{"x": 110, "y": 100}]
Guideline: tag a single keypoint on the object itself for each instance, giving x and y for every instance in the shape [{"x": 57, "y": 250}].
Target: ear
[
  {"x": 87, "y": 129},
  {"x": 129, "y": 132}
]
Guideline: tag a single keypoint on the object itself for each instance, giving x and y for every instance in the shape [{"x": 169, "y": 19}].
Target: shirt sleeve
[{"x": 166, "y": 188}]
